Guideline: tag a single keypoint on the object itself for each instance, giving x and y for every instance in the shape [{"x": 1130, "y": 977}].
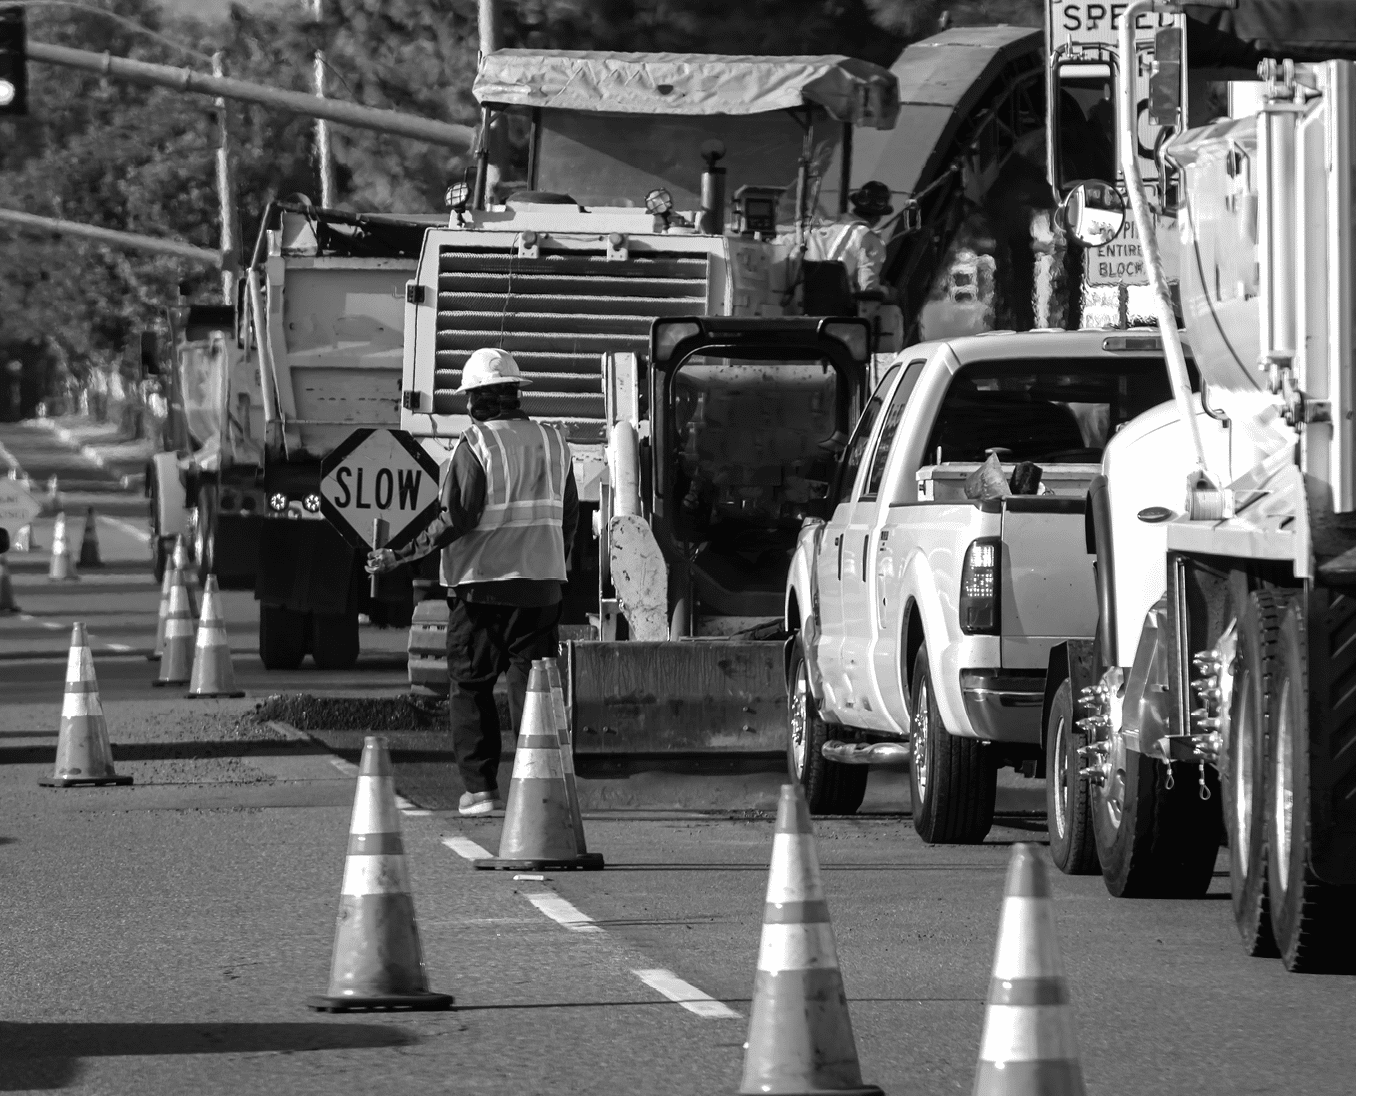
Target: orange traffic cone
[
  {"x": 212, "y": 673},
  {"x": 84, "y": 749},
  {"x": 25, "y": 541},
  {"x": 564, "y": 735},
  {"x": 1029, "y": 1044},
  {"x": 7, "y": 604},
  {"x": 377, "y": 961},
  {"x": 538, "y": 831},
  {"x": 800, "y": 1027},
  {"x": 60, "y": 567},
  {"x": 169, "y": 575},
  {"x": 91, "y": 550},
  {"x": 175, "y": 668}
]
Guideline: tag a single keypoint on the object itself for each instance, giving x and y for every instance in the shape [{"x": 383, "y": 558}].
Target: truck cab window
[
  {"x": 855, "y": 451},
  {"x": 890, "y": 427}
]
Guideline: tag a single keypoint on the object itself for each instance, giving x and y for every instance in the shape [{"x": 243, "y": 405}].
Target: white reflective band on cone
[
  {"x": 797, "y": 947},
  {"x": 80, "y": 704},
  {"x": 179, "y": 626},
  {"x": 794, "y": 849},
  {"x": 530, "y": 764},
  {"x": 1028, "y": 1033},
  {"x": 375, "y": 875},
  {"x": 374, "y": 811},
  {"x": 80, "y": 669},
  {"x": 1028, "y": 936},
  {"x": 211, "y": 637}
]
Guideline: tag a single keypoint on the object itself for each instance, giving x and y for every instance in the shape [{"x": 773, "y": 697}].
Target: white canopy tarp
[{"x": 848, "y": 89}]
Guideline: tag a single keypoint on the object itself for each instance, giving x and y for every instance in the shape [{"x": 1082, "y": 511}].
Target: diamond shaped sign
[
  {"x": 17, "y": 506},
  {"x": 379, "y": 473}
]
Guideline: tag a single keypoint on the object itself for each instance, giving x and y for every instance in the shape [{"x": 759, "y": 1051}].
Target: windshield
[
  {"x": 1053, "y": 409},
  {"x": 616, "y": 159}
]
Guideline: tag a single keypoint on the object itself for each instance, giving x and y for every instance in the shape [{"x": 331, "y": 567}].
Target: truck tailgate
[{"x": 1047, "y": 585}]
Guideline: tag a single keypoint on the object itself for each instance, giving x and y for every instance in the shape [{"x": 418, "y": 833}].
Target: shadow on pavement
[
  {"x": 44, "y": 1055},
  {"x": 163, "y": 751}
]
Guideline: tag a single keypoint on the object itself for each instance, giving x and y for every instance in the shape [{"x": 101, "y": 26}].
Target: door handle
[{"x": 838, "y": 559}]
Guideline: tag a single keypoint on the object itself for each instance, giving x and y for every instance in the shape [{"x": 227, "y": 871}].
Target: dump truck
[{"x": 1216, "y": 696}]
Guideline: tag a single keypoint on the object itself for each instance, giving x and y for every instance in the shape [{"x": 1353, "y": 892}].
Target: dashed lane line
[
  {"x": 466, "y": 848},
  {"x": 141, "y": 535},
  {"x": 563, "y": 912},
  {"x": 121, "y": 647},
  {"x": 686, "y": 994}
]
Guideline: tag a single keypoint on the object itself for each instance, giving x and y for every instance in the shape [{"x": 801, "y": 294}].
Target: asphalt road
[{"x": 162, "y": 938}]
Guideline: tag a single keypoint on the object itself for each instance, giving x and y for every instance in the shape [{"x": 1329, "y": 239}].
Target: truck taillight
[{"x": 980, "y": 588}]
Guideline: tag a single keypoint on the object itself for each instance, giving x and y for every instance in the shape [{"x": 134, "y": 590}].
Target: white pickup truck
[{"x": 924, "y": 619}]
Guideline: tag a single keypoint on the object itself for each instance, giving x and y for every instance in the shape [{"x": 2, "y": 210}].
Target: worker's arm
[
  {"x": 870, "y": 267},
  {"x": 463, "y": 502},
  {"x": 571, "y": 511}
]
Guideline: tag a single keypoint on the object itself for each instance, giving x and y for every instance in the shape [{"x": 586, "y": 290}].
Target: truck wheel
[
  {"x": 1154, "y": 841},
  {"x": 951, "y": 780},
  {"x": 1070, "y": 837},
  {"x": 1242, "y": 769},
  {"x": 830, "y": 787},
  {"x": 1313, "y": 922},
  {"x": 282, "y": 637},
  {"x": 335, "y": 640}
]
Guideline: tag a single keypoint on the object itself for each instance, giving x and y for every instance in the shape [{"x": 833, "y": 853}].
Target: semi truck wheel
[
  {"x": 830, "y": 787},
  {"x": 282, "y": 637},
  {"x": 1070, "y": 837},
  {"x": 951, "y": 780},
  {"x": 1242, "y": 769},
  {"x": 204, "y": 540},
  {"x": 1313, "y": 922},
  {"x": 335, "y": 640}
]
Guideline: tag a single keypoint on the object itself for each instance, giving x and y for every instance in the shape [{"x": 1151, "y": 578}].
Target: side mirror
[{"x": 1094, "y": 212}]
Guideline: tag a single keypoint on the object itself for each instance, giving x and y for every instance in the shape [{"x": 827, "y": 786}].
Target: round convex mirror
[{"x": 1094, "y": 211}]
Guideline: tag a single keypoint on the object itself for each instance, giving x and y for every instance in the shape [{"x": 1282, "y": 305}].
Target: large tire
[
  {"x": 1313, "y": 922},
  {"x": 1154, "y": 841},
  {"x": 204, "y": 538},
  {"x": 1243, "y": 766},
  {"x": 282, "y": 637},
  {"x": 830, "y": 787},
  {"x": 1071, "y": 838},
  {"x": 335, "y": 640},
  {"x": 951, "y": 779}
]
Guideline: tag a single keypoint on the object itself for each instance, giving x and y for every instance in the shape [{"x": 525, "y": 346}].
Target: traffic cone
[
  {"x": 377, "y": 961},
  {"x": 800, "y": 1027},
  {"x": 25, "y": 541},
  {"x": 175, "y": 668},
  {"x": 52, "y": 501},
  {"x": 169, "y": 575},
  {"x": 538, "y": 830},
  {"x": 91, "y": 551},
  {"x": 7, "y": 604},
  {"x": 564, "y": 735},
  {"x": 84, "y": 749},
  {"x": 60, "y": 567},
  {"x": 1029, "y": 1044},
  {"x": 212, "y": 673}
]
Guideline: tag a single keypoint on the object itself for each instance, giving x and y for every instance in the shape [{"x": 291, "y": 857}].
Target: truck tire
[
  {"x": 1313, "y": 922},
  {"x": 951, "y": 779},
  {"x": 1154, "y": 841},
  {"x": 282, "y": 637},
  {"x": 1243, "y": 767},
  {"x": 830, "y": 787},
  {"x": 204, "y": 538},
  {"x": 1071, "y": 839},
  {"x": 335, "y": 640}
]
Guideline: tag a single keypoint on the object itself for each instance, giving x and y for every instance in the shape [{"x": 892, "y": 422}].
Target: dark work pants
[{"x": 484, "y": 641}]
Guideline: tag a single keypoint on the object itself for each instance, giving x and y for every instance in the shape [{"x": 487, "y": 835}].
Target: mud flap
[{"x": 684, "y": 698}]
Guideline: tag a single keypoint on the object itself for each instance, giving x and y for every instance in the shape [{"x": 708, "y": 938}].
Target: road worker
[
  {"x": 505, "y": 530},
  {"x": 853, "y": 241}
]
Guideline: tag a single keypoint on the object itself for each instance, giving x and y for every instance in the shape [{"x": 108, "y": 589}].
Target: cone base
[
  {"x": 589, "y": 861},
  {"x": 418, "y": 1002},
  {"x": 212, "y": 696},
  {"x": 64, "y": 578},
  {"x": 161, "y": 684},
  {"x": 73, "y": 781},
  {"x": 863, "y": 1090},
  {"x": 154, "y": 656}
]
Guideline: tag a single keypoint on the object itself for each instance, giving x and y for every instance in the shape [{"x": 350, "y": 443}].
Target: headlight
[
  {"x": 278, "y": 502},
  {"x": 312, "y": 503}
]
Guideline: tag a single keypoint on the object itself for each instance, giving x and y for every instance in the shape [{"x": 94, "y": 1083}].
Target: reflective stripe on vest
[{"x": 520, "y": 531}]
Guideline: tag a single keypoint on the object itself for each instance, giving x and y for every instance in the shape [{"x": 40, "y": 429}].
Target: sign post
[
  {"x": 379, "y": 489},
  {"x": 378, "y": 540}
]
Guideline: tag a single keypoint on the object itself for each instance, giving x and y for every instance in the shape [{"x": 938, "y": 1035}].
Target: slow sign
[
  {"x": 379, "y": 473},
  {"x": 17, "y": 506}
]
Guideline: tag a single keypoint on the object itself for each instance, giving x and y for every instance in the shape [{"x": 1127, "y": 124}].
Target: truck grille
[{"x": 557, "y": 315}]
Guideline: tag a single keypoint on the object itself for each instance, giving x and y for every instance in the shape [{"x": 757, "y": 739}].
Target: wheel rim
[
  {"x": 1062, "y": 778},
  {"x": 1283, "y": 780},
  {"x": 920, "y": 734},
  {"x": 797, "y": 741},
  {"x": 1242, "y": 757}
]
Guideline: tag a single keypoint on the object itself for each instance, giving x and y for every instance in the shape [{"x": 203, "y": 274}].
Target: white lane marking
[
  {"x": 686, "y": 994},
  {"x": 141, "y": 535},
  {"x": 412, "y": 811},
  {"x": 344, "y": 766},
  {"x": 27, "y": 616},
  {"x": 563, "y": 912},
  {"x": 52, "y": 625},
  {"x": 466, "y": 848},
  {"x": 119, "y": 647}
]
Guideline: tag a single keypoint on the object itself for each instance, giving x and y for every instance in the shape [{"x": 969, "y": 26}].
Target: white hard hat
[{"x": 489, "y": 366}]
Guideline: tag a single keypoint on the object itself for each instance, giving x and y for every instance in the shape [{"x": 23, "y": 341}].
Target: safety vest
[
  {"x": 848, "y": 242},
  {"x": 520, "y": 533}
]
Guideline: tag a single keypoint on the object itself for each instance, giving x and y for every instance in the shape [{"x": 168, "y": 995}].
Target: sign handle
[{"x": 378, "y": 540}]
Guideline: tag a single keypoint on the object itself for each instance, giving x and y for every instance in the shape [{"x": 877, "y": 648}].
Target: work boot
[{"x": 472, "y": 803}]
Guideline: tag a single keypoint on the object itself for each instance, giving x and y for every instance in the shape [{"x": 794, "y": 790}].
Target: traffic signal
[{"x": 14, "y": 79}]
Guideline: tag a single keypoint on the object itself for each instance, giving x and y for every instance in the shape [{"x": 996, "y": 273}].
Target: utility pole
[
  {"x": 325, "y": 174},
  {"x": 226, "y": 195}
]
